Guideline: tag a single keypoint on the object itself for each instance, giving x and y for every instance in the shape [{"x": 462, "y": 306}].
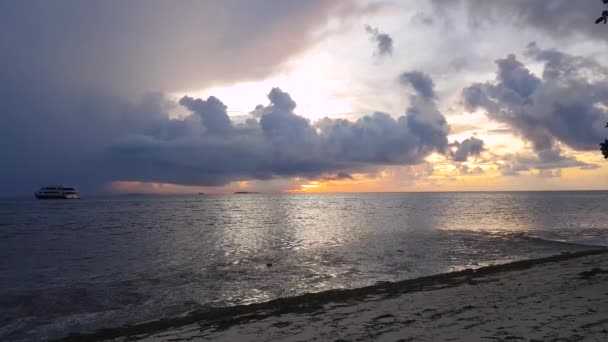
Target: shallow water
[{"x": 76, "y": 266}]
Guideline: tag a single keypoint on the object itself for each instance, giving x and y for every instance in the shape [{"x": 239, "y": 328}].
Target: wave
[
  {"x": 586, "y": 237},
  {"x": 592, "y": 240}
]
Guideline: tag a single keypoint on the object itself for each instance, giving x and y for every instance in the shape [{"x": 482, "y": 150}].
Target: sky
[{"x": 302, "y": 96}]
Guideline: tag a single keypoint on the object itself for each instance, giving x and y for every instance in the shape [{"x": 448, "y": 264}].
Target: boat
[{"x": 57, "y": 192}]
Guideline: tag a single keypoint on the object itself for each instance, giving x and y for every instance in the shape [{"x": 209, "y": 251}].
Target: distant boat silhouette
[
  {"x": 246, "y": 193},
  {"x": 57, "y": 192}
]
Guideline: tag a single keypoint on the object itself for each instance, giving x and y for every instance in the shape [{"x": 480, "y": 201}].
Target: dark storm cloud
[
  {"x": 384, "y": 42},
  {"x": 107, "y": 140},
  {"x": 567, "y": 105},
  {"x": 76, "y": 79},
  {"x": 273, "y": 143},
  {"x": 558, "y": 18},
  {"x": 421, "y": 82},
  {"x": 279, "y": 144},
  {"x": 470, "y": 147}
]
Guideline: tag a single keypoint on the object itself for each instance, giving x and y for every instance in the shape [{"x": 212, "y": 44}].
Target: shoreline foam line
[{"x": 224, "y": 317}]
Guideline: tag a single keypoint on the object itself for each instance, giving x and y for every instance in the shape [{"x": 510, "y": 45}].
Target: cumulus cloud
[
  {"x": 212, "y": 113},
  {"x": 567, "y": 105},
  {"x": 384, "y": 42},
  {"x": 421, "y": 82},
  {"x": 470, "y": 147},
  {"x": 279, "y": 144}
]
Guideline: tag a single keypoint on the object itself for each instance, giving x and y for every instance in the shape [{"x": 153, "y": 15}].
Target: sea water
[{"x": 78, "y": 266}]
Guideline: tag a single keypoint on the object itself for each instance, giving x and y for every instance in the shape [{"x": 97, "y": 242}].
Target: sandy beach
[{"x": 560, "y": 298}]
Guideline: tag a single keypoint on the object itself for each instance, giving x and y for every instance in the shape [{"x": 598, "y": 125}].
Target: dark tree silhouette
[
  {"x": 604, "y": 17},
  {"x": 604, "y": 146}
]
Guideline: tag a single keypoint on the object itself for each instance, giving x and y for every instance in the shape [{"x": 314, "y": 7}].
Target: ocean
[{"x": 78, "y": 266}]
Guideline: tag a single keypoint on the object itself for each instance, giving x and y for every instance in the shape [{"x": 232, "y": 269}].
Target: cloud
[
  {"x": 281, "y": 100},
  {"x": 212, "y": 113},
  {"x": 82, "y": 87},
  {"x": 337, "y": 176},
  {"x": 547, "y": 162},
  {"x": 549, "y": 173},
  {"x": 459, "y": 63},
  {"x": 468, "y": 148},
  {"x": 139, "y": 142},
  {"x": 422, "y": 18},
  {"x": 280, "y": 144},
  {"x": 384, "y": 42},
  {"x": 567, "y": 105},
  {"x": 558, "y": 18},
  {"x": 421, "y": 82},
  {"x": 155, "y": 45},
  {"x": 559, "y": 65},
  {"x": 466, "y": 170},
  {"x": 424, "y": 100}
]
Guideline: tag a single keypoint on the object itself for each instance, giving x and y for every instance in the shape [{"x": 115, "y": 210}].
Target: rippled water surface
[{"x": 69, "y": 266}]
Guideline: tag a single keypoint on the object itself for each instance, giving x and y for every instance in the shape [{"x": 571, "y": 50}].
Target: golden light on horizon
[{"x": 311, "y": 186}]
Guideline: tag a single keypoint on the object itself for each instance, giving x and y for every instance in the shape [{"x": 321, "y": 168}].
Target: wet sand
[{"x": 560, "y": 298}]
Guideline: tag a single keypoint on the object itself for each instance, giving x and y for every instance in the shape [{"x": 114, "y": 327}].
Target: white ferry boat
[{"x": 57, "y": 192}]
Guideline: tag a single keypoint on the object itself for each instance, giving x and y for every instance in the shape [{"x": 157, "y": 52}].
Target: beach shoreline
[{"x": 389, "y": 305}]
